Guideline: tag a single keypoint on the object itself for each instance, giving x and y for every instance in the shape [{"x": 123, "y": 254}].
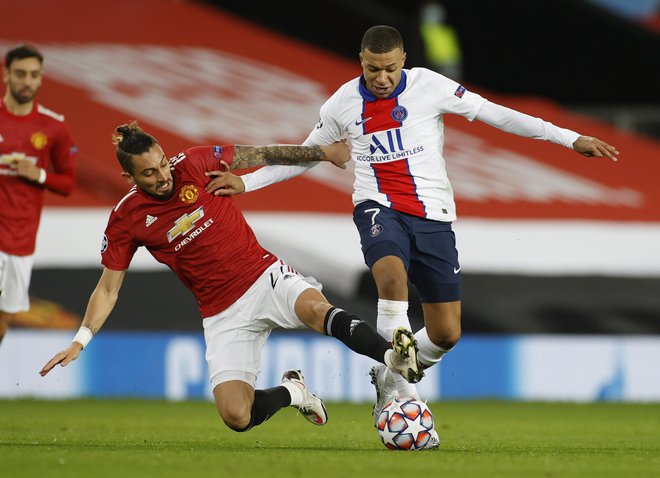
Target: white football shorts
[
  {"x": 15, "y": 273},
  {"x": 236, "y": 336}
]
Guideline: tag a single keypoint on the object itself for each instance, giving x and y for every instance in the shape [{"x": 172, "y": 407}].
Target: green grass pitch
[{"x": 134, "y": 438}]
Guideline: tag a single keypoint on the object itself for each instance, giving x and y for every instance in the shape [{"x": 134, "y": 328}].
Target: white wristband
[
  {"x": 42, "y": 176},
  {"x": 83, "y": 336}
]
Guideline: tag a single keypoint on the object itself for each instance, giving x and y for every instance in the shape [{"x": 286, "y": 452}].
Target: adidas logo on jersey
[{"x": 150, "y": 220}]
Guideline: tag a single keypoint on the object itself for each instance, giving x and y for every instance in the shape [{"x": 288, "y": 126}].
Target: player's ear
[{"x": 127, "y": 177}]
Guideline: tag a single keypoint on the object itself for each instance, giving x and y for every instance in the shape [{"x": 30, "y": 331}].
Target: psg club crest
[
  {"x": 375, "y": 230},
  {"x": 189, "y": 194},
  {"x": 399, "y": 113}
]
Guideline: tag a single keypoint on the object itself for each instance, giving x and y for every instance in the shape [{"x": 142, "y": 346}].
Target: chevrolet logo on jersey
[{"x": 185, "y": 224}]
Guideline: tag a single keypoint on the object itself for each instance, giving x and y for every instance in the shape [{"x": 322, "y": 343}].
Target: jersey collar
[
  {"x": 4, "y": 110},
  {"x": 369, "y": 96}
]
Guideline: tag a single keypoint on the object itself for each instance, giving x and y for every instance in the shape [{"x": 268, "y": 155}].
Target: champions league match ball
[{"x": 405, "y": 424}]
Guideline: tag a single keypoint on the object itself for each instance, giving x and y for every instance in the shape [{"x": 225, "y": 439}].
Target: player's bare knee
[
  {"x": 392, "y": 287},
  {"x": 446, "y": 339},
  {"x": 235, "y": 415},
  {"x": 319, "y": 310},
  {"x": 450, "y": 339}
]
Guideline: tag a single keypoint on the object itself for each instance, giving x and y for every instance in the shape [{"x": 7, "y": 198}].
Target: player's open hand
[
  {"x": 338, "y": 153},
  {"x": 589, "y": 146},
  {"x": 224, "y": 183},
  {"x": 63, "y": 358},
  {"x": 26, "y": 169}
]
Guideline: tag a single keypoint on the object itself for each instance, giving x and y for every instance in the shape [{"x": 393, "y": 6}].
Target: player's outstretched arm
[
  {"x": 101, "y": 303},
  {"x": 589, "y": 146},
  {"x": 248, "y": 156},
  {"x": 296, "y": 159}
]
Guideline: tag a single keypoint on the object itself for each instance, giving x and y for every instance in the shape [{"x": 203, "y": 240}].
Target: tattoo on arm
[{"x": 249, "y": 156}]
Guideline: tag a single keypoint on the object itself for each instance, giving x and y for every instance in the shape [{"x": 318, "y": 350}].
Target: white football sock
[
  {"x": 393, "y": 314},
  {"x": 428, "y": 353},
  {"x": 296, "y": 393}
]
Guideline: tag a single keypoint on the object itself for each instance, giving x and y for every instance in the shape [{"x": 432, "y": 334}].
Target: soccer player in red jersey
[
  {"x": 243, "y": 290},
  {"x": 36, "y": 153}
]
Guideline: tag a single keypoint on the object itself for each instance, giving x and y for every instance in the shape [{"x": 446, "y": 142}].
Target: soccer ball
[{"x": 405, "y": 424}]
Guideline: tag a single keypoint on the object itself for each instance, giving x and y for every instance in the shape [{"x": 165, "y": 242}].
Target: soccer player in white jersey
[
  {"x": 243, "y": 291},
  {"x": 403, "y": 201}
]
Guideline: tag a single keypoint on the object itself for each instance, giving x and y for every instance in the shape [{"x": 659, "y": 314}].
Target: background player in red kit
[
  {"x": 36, "y": 153},
  {"x": 243, "y": 291}
]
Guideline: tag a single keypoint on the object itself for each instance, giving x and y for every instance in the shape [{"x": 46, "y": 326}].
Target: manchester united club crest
[
  {"x": 189, "y": 194},
  {"x": 39, "y": 140}
]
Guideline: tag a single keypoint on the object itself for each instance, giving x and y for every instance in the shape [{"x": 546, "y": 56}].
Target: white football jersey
[{"x": 397, "y": 142}]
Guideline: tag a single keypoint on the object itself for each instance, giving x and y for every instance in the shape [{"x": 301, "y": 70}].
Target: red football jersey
[
  {"x": 203, "y": 238},
  {"x": 44, "y": 138}
]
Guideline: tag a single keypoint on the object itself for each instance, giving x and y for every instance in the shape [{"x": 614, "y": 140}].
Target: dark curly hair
[
  {"x": 22, "y": 52},
  {"x": 131, "y": 140}
]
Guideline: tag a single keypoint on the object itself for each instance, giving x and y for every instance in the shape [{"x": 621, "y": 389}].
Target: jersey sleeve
[
  {"x": 515, "y": 122},
  {"x": 118, "y": 246},
  {"x": 61, "y": 179},
  {"x": 452, "y": 97},
  {"x": 327, "y": 130},
  {"x": 207, "y": 158}
]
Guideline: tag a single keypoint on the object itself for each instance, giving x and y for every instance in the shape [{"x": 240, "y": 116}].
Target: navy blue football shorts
[{"x": 427, "y": 248}]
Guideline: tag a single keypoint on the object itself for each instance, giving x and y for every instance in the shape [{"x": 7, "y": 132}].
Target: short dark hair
[
  {"x": 381, "y": 39},
  {"x": 131, "y": 140},
  {"x": 22, "y": 52}
]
